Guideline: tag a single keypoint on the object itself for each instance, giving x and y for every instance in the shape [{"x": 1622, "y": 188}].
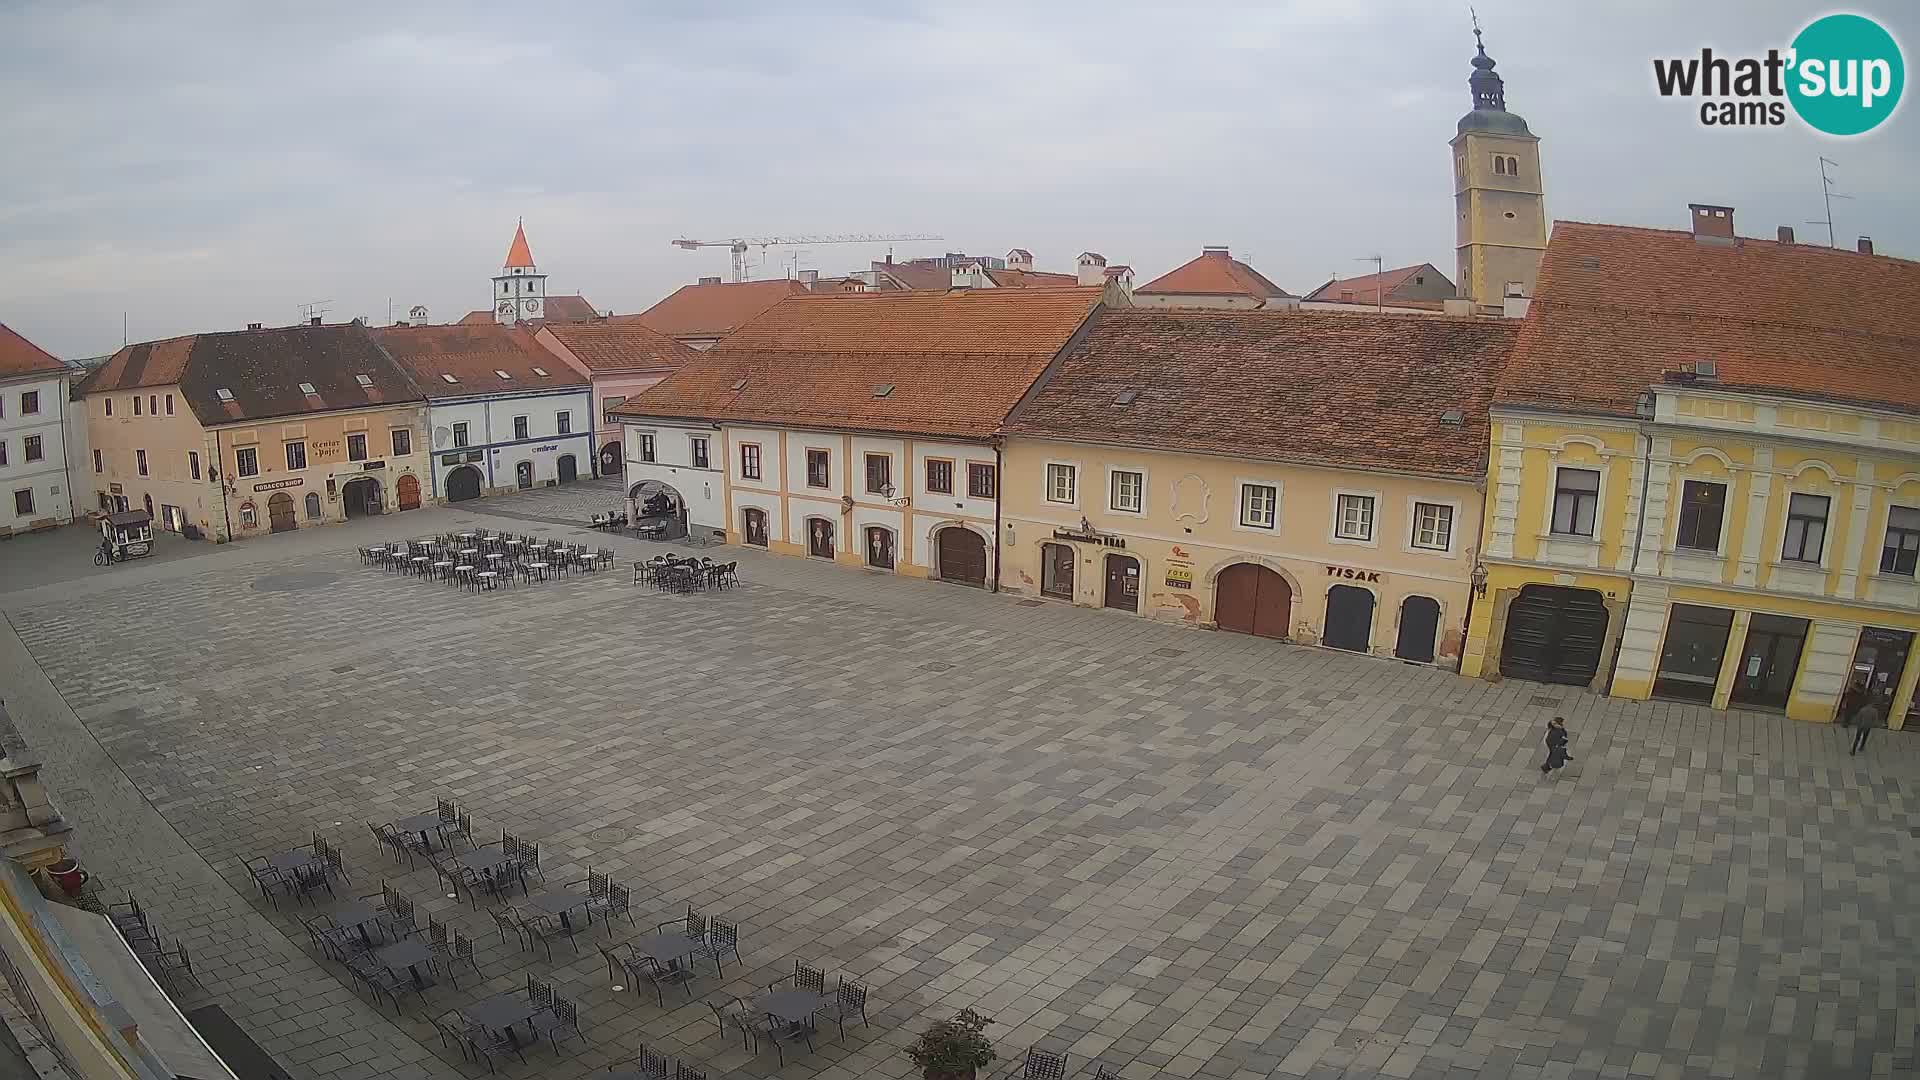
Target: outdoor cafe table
[
  {"x": 485, "y": 860},
  {"x": 503, "y": 1010},
  {"x": 424, "y": 824},
  {"x": 539, "y": 568},
  {"x": 409, "y": 955},
  {"x": 355, "y": 915},
  {"x": 556, "y": 902},
  {"x": 288, "y": 861},
  {"x": 666, "y": 948},
  {"x": 796, "y": 1007}
]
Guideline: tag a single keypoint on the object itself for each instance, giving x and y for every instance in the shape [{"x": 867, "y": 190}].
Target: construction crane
[{"x": 738, "y": 245}]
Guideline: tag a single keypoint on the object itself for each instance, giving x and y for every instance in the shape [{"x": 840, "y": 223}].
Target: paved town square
[{"x": 1166, "y": 851}]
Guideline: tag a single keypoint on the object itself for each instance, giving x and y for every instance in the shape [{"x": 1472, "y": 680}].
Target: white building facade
[
  {"x": 34, "y": 492},
  {"x": 510, "y": 441}
]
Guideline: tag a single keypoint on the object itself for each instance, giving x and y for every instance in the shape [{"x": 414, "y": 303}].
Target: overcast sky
[{"x": 200, "y": 166}]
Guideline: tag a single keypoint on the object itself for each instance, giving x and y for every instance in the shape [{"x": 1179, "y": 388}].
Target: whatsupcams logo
[{"x": 1842, "y": 75}]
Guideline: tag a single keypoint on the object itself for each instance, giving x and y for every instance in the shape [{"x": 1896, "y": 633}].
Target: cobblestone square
[{"x": 1174, "y": 852}]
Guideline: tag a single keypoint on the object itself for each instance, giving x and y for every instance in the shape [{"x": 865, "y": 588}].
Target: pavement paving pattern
[{"x": 1173, "y": 852}]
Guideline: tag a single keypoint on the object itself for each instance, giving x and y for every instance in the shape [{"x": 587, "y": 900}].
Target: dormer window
[
  {"x": 307, "y": 388},
  {"x": 363, "y": 380},
  {"x": 450, "y": 379},
  {"x": 540, "y": 371},
  {"x": 502, "y": 374},
  {"x": 223, "y": 394}
]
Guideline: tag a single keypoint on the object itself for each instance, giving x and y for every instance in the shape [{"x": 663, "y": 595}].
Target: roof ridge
[{"x": 1730, "y": 320}]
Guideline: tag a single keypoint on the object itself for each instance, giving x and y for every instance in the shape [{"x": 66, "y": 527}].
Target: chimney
[
  {"x": 253, "y": 326},
  {"x": 1866, "y": 245},
  {"x": 1712, "y": 224},
  {"x": 710, "y": 281},
  {"x": 314, "y": 321},
  {"x": 1093, "y": 268},
  {"x": 889, "y": 258},
  {"x": 1515, "y": 303},
  {"x": 1456, "y": 306},
  {"x": 1786, "y": 234}
]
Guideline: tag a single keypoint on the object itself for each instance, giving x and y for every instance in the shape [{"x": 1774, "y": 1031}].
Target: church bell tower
[
  {"x": 520, "y": 289},
  {"x": 1499, "y": 201}
]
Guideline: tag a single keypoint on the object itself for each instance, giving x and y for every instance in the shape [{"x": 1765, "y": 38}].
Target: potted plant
[{"x": 953, "y": 1049}]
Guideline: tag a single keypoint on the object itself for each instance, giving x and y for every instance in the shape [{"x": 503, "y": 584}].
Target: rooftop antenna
[
  {"x": 1379, "y": 267},
  {"x": 1828, "y": 195},
  {"x": 309, "y": 311}
]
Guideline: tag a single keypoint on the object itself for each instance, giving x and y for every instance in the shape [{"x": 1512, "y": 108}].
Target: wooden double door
[
  {"x": 963, "y": 556},
  {"x": 1253, "y": 599}
]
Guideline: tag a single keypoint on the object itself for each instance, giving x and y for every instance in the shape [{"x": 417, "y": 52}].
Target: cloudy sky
[{"x": 200, "y": 166}]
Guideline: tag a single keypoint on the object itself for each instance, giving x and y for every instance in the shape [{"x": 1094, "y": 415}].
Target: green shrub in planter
[{"x": 953, "y": 1049}]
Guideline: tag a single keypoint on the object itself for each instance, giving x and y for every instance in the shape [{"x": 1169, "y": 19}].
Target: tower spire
[
  {"x": 518, "y": 253},
  {"x": 1488, "y": 91}
]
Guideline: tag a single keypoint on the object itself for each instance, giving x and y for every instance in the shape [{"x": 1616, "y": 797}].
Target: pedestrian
[
  {"x": 1865, "y": 719},
  {"x": 1557, "y": 756}
]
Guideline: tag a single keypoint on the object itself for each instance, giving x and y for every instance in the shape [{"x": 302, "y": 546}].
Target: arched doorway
[
  {"x": 1349, "y": 619},
  {"x": 1554, "y": 635},
  {"x": 879, "y": 547},
  {"x": 280, "y": 513},
  {"x": 962, "y": 555},
  {"x": 753, "y": 526},
  {"x": 610, "y": 462},
  {"x": 409, "y": 491},
  {"x": 148, "y": 499},
  {"x": 313, "y": 506},
  {"x": 1419, "y": 627},
  {"x": 820, "y": 538},
  {"x": 1056, "y": 571},
  {"x": 463, "y": 483},
  {"x": 523, "y": 475},
  {"x": 1123, "y": 583},
  {"x": 569, "y": 469},
  {"x": 658, "y": 508},
  {"x": 1252, "y": 599},
  {"x": 361, "y": 497}
]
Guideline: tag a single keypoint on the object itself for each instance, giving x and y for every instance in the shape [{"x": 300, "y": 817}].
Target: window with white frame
[
  {"x": 1061, "y": 483},
  {"x": 750, "y": 461},
  {"x": 1259, "y": 505},
  {"x": 1432, "y": 526},
  {"x": 296, "y": 454},
  {"x": 460, "y": 434},
  {"x": 1806, "y": 528},
  {"x": 1127, "y": 491},
  {"x": 698, "y": 445},
  {"x": 246, "y": 461},
  {"x": 1576, "y": 501},
  {"x": 1353, "y": 517}
]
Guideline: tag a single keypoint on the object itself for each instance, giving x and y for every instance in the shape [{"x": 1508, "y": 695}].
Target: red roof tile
[
  {"x": 620, "y": 344},
  {"x": 18, "y": 356},
  {"x": 1363, "y": 288},
  {"x": 474, "y": 355},
  {"x": 716, "y": 310},
  {"x": 1214, "y": 273},
  {"x": 1616, "y": 307},
  {"x": 1327, "y": 388},
  {"x": 956, "y": 361},
  {"x": 518, "y": 253},
  {"x": 1027, "y": 279}
]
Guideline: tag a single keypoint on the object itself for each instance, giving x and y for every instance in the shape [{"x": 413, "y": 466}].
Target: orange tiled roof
[
  {"x": 956, "y": 361},
  {"x": 518, "y": 253},
  {"x": 1336, "y": 290},
  {"x": 622, "y": 344},
  {"x": 716, "y": 310},
  {"x": 473, "y": 355},
  {"x": 18, "y": 356},
  {"x": 1616, "y": 307},
  {"x": 1027, "y": 279},
  {"x": 1214, "y": 273},
  {"x": 1328, "y": 388}
]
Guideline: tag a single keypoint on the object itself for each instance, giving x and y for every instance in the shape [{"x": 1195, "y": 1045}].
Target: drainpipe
[
  {"x": 220, "y": 460},
  {"x": 1645, "y": 408},
  {"x": 66, "y": 448},
  {"x": 999, "y": 481}
]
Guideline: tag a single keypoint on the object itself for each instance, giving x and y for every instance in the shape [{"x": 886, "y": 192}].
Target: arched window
[
  {"x": 1513, "y": 166},
  {"x": 1499, "y": 165}
]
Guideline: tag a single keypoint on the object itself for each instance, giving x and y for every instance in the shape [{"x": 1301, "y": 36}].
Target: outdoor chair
[
  {"x": 463, "y": 827},
  {"x": 803, "y": 978},
  {"x": 723, "y": 939},
  {"x": 128, "y": 916},
  {"x": 386, "y": 839},
  {"x": 506, "y": 920},
  {"x": 487, "y": 1045},
  {"x": 651, "y": 1065},
  {"x": 1102, "y": 1072},
  {"x": 449, "y": 816},
  {"x": 684, "y": 1071},
  {"x": 618, "y": 903},
  {"x": 462, "y": 954},
  {"x": 310, "y": 879},
  {"x": 176, "y": 966},
  {"x": 732, "y": 1012},
  {"x": 648, "y": 969},
  {"x": 849, "y": 999},
  {"x": 539, "y": 992},
  {"x": 561, "y": 1019},
  {"x": 395, "y": 983},
  {"x": 768, "y": 1027},
  {"x": 336, "y": 866},
  {"x": 328, "y": 939},
  {"x": 452, "y": 1029},
  {"x": 526, "y": 858},
  {"x": 618, "y": 965},
  {"x": 265, "y": 878},
  {"x": 605, "y": 557},
  {"x": 693, "y": 925},
  {"x": 543, "y": 929},
  {"x": 1044, "y": 1065},
  {"x": 397, "y": 924}
]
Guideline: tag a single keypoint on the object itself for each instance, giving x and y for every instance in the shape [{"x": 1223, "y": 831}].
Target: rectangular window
[
  {"x": 1126, "y": 491},
  {"x": 357, "y": 447},
  {"x": 29, "y": 403},
  {"x": 402, "y": 442},
  {"x": 1062, "y": 483},
  {"x": 109, "y": 403},
  {"x": 169, "y": 404},
  {"x": 23, "y": 501},
  {"x": 460, "y": 434},
  {"x": 1806, "y": 528},
  {"x": 1902, "y": 549},
  {"x": 98, "y": 464},
  {"x": 136, "y": 404},
  {"x": 296, "y": 455},
  {"x": 3, "y": 451},
  {"x": 246, "y": 461},
  {"x": 1576, "y": 501},
  {"x": 1703, "y": 506},
  {"x": 981, "y": 481},
  {"x": 519, "y": 427},
  {"x": 140, "y": 461},
  {"x": 193, "y": 464},
  {"x": 750, "y": 461},
  {"x": 646, "y": 446},
  {"x": 879, "y": 474},
  {"x": 1259, "y": 505},
  {"x": 1432, "y": 526},
  {"x": 1353, "y": 517},
  {"x": 563, "y": 422},
  {"x": 153, "y": 404},
  {"x": 819, "y": 469},
  {"x": 32, "y": 444},
  {"x": 700, "y": 458},
  {"x": 940, "y": 476}
]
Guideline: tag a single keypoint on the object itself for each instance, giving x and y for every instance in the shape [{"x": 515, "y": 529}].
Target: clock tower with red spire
[{"x": 520, "y": 289}]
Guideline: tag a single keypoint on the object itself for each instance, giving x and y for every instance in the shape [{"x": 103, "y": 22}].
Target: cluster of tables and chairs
[
  {"x": 788, "y": 1010},
  {"x": 482, "y": 560},
  {"x": 492, "y": 1027},
  {"x": 300, "y": 873},
  {"x": 171, "y": 967},
  {"x": 673, "y": 573}
]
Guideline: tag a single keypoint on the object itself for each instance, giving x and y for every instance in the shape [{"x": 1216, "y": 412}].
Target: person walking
[
  {"x": 1865, "y": 719},
  {"x": 1556, "y": 741}
]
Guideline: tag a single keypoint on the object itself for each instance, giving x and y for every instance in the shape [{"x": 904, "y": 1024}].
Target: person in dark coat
[
  {"x": 1865, "y": 719},
  {"x": 1556, "y": 740},
  {"x": 1850, "y": 701}
]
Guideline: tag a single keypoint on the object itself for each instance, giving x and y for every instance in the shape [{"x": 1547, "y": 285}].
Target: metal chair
[
  {"x": 684, "y": 1071},
  {"x": 561, "y": 1019},
  {"x": 452, "y": 1030},
  {"x": 527, "y": 857},
  {"x": 177, "y": 965},
  {"x": 805, "y": 978},
  {"x": 462, "y": 954},
  {"x": 723, "y": 938},
  {"x": 849, "y": 999},
  {"x": 651, "y": 970},
  {"x": 651, "y": 1065},
  {"x": 310, "y": 879},
  {"x": 488, "y": 1045},
  {"x": 693, "y": 925},
  {"x": 539, "y": 991},
  {"x": 1102, "y": 1072},
  {"x": 618, "y": 903},
  {"x": 543, "y": 929},
  {"x": 463, "y": 827},
  {"x": 1044, "y": 1065},
  {"x": 730, "y": 1011},
  {"x": 328, "y": 939},
  {"x": 504, "y": 921},
  {"x": 336, "y": 866},
  {"x": 265, "y": 878}
]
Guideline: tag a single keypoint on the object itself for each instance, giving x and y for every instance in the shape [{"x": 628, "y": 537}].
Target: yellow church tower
[{"x": 1499, "y": 204}]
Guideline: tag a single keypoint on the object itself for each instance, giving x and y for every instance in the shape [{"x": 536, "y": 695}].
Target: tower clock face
[
  {"x": 533, "y": 304},
  {"x": 505, "y": 308}
]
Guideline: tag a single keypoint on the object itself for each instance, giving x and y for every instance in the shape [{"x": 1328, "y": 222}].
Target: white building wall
[
  {"x": 490, "y": 431},
  {"x": 673, "y": 466},
  {"x": 959, "y": 503},
  {"x": 762, "y": 494},
  {"x": 45, "y": 478}
]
